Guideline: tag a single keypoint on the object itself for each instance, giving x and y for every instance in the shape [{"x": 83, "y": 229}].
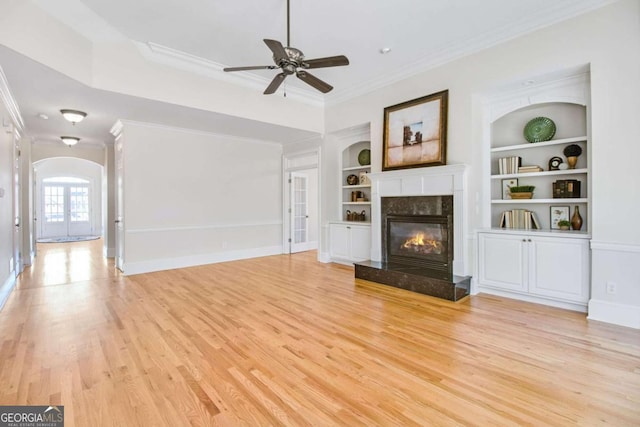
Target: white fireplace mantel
[{"x": 447, "y": 180}]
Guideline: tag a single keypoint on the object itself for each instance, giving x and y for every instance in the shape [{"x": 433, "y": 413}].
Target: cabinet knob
[
  {"x": 529, "y": 240},
  {"x": 348, "y": 227},
  {"x": 524, "y": 240}
]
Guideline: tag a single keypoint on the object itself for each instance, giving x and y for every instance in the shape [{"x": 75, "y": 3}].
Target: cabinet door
[
  {"x": 502, "y": 261},
  {"x": 559, "y": 268},
  {"x": 360, "y": 243},
  {"x": 339, "y": 236}
]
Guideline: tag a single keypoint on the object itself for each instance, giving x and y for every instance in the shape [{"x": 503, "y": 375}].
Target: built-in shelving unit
[
  {"x": 349, "y": 202},
  {"x": 545, "y": 265},
  {"x": 350, "y": 236},
  {"x": 507, "y": 140}
]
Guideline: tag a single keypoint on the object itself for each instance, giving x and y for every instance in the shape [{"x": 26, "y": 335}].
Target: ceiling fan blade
[
  {"x": 279, "y": 54},
  {"x": 257, "y": 67},
  {"x": 331, "y": 61},
  {"x": 312, "y": 80},
  {"x": 275, "y": 84}
]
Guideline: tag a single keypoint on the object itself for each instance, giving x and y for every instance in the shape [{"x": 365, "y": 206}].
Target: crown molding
[
  {"x": 10, "y": 103},
  {"x": 92, "y": 145},
  {"x": 120, "y": 124},
  {"x": 461, "y": 48},
  {"x": 185, "y": 61},
  {"x": 361, "y": 132}
]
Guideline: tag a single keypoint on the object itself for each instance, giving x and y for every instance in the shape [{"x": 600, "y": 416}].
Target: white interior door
[
  {"x": 17, "y": 200},
  {"x": 299, "y": 212},
  {"x": 79, "y": 198},
  {"x": 66, "y": 207}
]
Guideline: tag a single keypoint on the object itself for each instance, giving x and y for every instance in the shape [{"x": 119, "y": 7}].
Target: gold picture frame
[{"x": 415, "y": 133}]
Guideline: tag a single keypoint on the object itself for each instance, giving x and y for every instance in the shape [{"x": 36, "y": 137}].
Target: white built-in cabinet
[
  {"x": 350, "y": 233},
  {"x": 538, "y": 267},
  {"x": 349, "y": 242},
  {"x": 546, "y": 266}
]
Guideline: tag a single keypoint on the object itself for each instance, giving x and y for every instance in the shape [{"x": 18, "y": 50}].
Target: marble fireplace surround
[{"x": 447, "y": 180}]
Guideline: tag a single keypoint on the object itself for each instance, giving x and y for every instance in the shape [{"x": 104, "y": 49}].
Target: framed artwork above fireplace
[{"x": 415, "y": 133}]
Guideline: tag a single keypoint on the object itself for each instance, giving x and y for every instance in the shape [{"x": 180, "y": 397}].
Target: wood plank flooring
[{"x": 285, "y": 340}]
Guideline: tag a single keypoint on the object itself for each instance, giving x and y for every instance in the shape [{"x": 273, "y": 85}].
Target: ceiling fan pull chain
[{"x": 288, "y": 30}]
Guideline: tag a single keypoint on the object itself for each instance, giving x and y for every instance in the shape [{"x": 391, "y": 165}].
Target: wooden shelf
[
  {"x": 541, "y": 201},
  {"x": 357, "y": 186},
  {"x": 582, "y": 171},
  {"x": 356, "y": 203},
  {"x": 539, "y": 144},
  {"x": 354, "y": 168}
]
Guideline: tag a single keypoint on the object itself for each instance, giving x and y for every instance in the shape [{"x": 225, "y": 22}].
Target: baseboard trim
[
  {"x": 616, "y": 313},
  {"x": 6, "y": 288},
  {"x": 109, "y": 252},
  {"x": 194, "y": 260},
  {"x": 582, "y": 308}
]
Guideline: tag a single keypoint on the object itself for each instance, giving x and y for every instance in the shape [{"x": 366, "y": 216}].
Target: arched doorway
[
  {"x": 66, "y": 207},
  {"x": 68, "y": 198}
]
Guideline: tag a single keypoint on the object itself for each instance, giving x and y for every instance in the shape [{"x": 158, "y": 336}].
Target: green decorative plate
[
  {"x": 539, "y": 129},
  {"x": 364, "y": 157}
]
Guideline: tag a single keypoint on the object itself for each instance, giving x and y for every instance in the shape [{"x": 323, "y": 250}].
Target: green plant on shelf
[
  {"x": 522, "y": 189},
  {"x": 563, "y": 224}
]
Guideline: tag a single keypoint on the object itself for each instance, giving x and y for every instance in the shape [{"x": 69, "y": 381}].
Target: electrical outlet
[{"x": 611, "y": 288}]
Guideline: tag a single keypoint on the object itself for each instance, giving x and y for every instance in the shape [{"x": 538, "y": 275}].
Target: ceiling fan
[{"x": 292, "y": 61}]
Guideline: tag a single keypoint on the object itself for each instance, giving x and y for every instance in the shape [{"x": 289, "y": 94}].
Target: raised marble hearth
[{"x": 413, "y": 278}]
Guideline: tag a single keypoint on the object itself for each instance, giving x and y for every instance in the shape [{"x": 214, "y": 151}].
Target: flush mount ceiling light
[
  {"x": 385, "y": 50},
  {"x": 74, "y": 116},
  {"x": 70, "y": 140}
]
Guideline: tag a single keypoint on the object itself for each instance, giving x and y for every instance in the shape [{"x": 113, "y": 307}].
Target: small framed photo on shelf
[
  {"x": 558, "y": 213},
  {"x": 506, "y": 185}
]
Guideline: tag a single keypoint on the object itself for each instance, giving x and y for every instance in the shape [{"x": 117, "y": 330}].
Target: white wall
[
  {"x": 70, "y": 167},
  {"x": 194, "y": 198},
  {"x": 607, "y": 39}
]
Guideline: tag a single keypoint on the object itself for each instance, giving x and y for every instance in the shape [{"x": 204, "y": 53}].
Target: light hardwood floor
[{"x": 285, "y": 340}]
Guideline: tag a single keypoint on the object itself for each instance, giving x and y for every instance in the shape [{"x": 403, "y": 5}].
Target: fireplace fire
[{"x": 421, "y": 243}]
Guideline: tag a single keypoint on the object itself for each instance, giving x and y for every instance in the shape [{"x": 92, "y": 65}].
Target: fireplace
[
  {"x": 421, "y": 240},
  {"x": 417, "y": 236}
]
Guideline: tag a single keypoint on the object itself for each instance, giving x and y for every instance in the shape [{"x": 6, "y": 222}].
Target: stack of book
[
  {"x": 519, "y": 218},
  {"x": 508, "y": 165},
  {"x": 529, "y": 169}
]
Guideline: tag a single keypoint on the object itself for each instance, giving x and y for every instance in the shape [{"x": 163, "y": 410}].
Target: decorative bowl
[
  {"x": 539, "y": 129},
  {"x": 352, "y": 180},
  {"x": 364, "y": 157}
]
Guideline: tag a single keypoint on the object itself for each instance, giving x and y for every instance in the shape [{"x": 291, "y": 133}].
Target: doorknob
[{"x": 117, "y": 221}]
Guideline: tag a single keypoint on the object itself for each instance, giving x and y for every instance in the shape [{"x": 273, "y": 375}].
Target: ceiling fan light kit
[{"x": 292, "y": 61}]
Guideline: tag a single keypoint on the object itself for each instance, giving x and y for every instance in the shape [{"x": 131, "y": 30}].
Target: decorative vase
[
  {"x": 576, "y": 219},
  {"x": 571, "y": 161}
]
